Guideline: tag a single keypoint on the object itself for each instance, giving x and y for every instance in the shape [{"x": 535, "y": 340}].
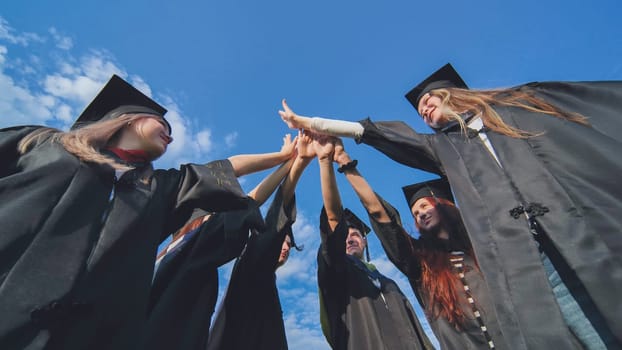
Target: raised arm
[
  {"x": 266, "y": 187},
  {"x": 304, "y": 156},
  {"x": 244, "y": 164},
  {"x": 324, "y": 148},
  {"x": 360, "y": 185},
  {"x": 332, "y": 127},
  {"x": 395, "y": 139},
  {"x": 385, "y": 220}
]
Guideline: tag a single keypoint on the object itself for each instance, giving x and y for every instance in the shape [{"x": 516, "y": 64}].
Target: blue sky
[{"x": 222, "y": 68}]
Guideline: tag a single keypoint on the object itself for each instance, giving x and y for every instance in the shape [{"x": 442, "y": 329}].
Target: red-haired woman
[{"x": 440, "y": 265}]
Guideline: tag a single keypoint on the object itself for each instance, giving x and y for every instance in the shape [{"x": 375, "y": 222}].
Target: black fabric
[
  {"x": 360, "y": 313},
  {"x": 354, "y": 221},
  {"x": 250, "y": 316},
  {"x": 185, "y": 288},
  {"x": 444, "y": 77},
  {"x": 77, "y": 246},
  {"x": 571, "y": 169},
  {"x": 438, "y": 188},
  {"x": 115, "y": 98}
]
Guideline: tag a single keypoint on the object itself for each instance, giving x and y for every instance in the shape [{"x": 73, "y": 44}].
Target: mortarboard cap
[
  {"x": 445, "y": 77},
  {"x": 355, "y": 222},
  {"x": 438, "y": 188},
  {"x": 118, "y": 97}
]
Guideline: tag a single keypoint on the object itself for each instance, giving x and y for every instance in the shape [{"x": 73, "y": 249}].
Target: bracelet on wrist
[{"x": 348, "y": 166}]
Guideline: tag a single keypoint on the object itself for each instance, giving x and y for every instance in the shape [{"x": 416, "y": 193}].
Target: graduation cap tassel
[{"x": 367, "y": 252}]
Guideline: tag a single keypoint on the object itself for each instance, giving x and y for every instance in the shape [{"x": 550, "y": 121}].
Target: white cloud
[
  {"x": 3, "y": 52},
  {"x": 100, "y": 65},
  {"x": 78, "y": 89},
  {"x": 204, "y": 139},
  {"x": 230, "y": 139},
  {"x": 140, "y": 84},
  {"x": 62, "y": 42},
  {"x": 65, "y": 113},
  {"x": 18, "y": 106},
  {"x": 8, "y": 33}
]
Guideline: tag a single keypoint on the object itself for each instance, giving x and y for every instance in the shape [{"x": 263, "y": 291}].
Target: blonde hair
[
  {"x": 457, "y": 101},
  {"x": 86, "y": 142}
]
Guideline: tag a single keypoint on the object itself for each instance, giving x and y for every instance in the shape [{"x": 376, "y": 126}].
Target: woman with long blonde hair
[
  {"x": 534, "y": 171},
  {"x": 83, "y": 213}
]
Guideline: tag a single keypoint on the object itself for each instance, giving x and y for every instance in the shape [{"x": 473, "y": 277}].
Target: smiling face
[
  {"x": 430, "y": 110},
  {"x": 427, "y": 218},
  {"x": 355, "y": 243},
  {"x": 152, "y": 134}
]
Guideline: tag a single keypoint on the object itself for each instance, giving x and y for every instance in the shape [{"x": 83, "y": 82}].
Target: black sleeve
[
  {"x": 399, "y": 246},
  {"x": 599, "y": 101},
  {"x": 331, "y": 257},
  {"x": 212, "y": 187},
  {"x": 401, "y": 143},
  {"x": 9, "y": 141},
  {"x": 331, "y": 275},
  {"x": 264, "y": 247}
]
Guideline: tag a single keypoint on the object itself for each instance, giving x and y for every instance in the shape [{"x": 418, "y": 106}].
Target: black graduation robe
[
  {"x": 250, "y": 316},
  {"x": 77, "y": 246},
  {"x": 573, "y": 170},
  {"x": 355, "y": 312},
  {"x": 185, "y": 288},
  {"x": 401, "y": 249}
]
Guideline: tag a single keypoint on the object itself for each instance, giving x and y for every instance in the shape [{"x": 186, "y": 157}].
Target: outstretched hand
[
  {"x": 288, "y": 150},
  {"x": 293, "y": 120}
]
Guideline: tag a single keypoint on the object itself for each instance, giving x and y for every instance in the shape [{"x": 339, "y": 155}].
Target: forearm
[
  {"x": 244, "y": 164},
  {"x": 289, "y": 185},
  {"x": 262, "y": 192},
  {"x": 366, "y": 195},
  {"x": 362, "y": 188},
  {"x": 330, "y": 193},
  {"x": 335, "y": 127}
]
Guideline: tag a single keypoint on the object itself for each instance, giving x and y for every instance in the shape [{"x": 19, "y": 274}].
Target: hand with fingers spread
[{"x": 288, "y": 150}]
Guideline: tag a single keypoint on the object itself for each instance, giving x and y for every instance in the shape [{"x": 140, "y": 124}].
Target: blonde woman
[
  {"x": 534, "y": 170},
  {"x": 82, "y": 215}
]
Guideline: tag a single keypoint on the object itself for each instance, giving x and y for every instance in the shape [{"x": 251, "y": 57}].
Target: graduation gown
[
  {"x": 250, "y": 316},
  {"x": 359, "y": 307},
  {"x": 571, "y": 169},
  {"x": 77, "y": 245},
  {"x": 401, "y": 249},
  {"x": 185, "y": 287}
]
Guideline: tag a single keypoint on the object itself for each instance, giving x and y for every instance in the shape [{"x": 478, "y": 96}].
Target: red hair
[{"x": 444, "y": 298}]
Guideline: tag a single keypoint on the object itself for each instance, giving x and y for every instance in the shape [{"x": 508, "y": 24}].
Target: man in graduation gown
[
  {"x": 250, "y": 316},
  {"x": 360, "y": 308},
  {"x": 77, "y": 244},
  {"x": 561, "y": 185}
]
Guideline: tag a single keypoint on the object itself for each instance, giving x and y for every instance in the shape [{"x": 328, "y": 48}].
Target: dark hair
[{"x": 290, "y": 233}]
